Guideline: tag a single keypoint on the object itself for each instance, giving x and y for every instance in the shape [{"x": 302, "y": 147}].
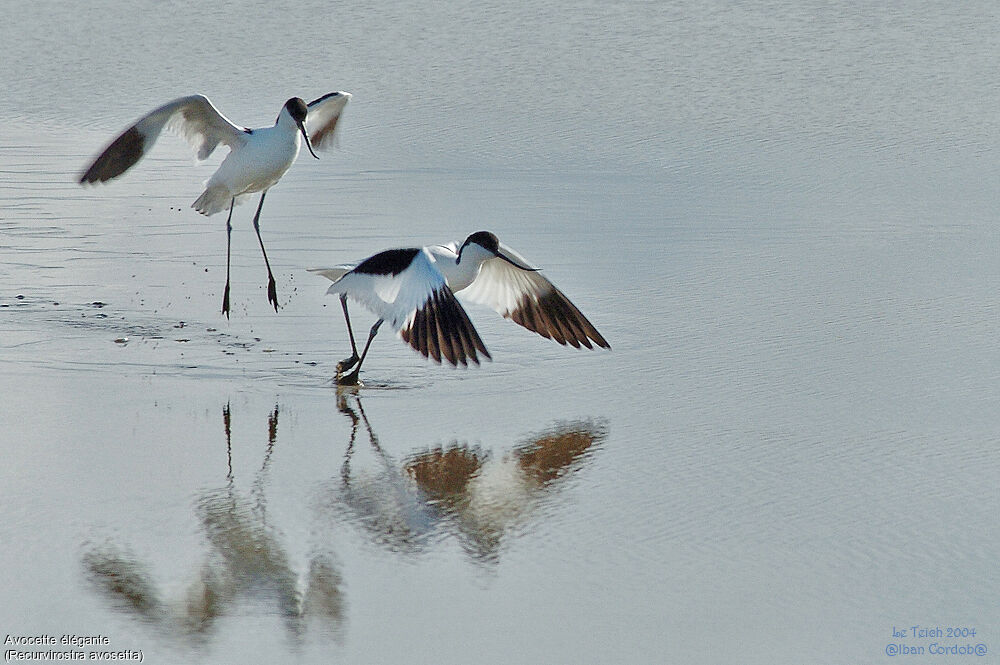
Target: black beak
[
  {"x": 515, "y": 263},
  {"x": 302, "y": 128}
]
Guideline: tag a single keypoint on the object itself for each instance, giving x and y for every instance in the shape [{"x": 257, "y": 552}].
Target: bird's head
[
  {"x": 483, "y": 245},
  {"x": 297, "y": 110}
]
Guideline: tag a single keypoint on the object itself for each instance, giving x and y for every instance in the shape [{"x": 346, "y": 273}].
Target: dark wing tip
[
  {"x": 320, "y": 100},
  {"x": 117, "y": 158},
  {"x": 441, "y": 330},
  {"x": 553, "y": 316}
]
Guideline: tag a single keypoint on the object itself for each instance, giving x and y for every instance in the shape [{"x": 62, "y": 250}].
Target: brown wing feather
[
  {"x": 524, "y": 295},
  {"x": 326, "y": 131},
  {"x": 553, "y": 316},
  {"x": 432, "y": 323},
  {"x": 442, "y": 329}
]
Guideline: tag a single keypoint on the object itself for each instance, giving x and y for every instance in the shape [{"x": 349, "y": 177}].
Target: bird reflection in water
[
  {"x": 245, "y": 563},
  {"x": 461, "y": 490}
]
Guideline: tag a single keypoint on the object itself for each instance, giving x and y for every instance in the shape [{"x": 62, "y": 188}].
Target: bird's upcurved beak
[
  {"x": 516, "y": 264},
  {"x": 305, "y": 135}
]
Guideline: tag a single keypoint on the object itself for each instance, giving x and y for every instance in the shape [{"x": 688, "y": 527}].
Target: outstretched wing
[
  {"x": 404, "y": 288},
  {"x": 527, "y": 298},
  {"x": 324, "y": 113},
  {"x": 194, "y": 118}
]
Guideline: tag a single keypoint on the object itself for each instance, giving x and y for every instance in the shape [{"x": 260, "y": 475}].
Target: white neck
[{"x": 460, "y": 275}]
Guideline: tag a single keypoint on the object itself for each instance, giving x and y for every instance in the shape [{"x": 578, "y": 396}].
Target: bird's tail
[
  {"x": 332, "y": 274},
  {"x": 213, "y": 200}
]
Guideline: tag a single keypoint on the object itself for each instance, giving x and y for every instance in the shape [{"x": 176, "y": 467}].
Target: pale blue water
[{"x": 782, "y": 217}]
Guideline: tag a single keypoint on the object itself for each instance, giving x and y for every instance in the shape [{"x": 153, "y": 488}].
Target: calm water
[{"x": 782, "y": 217}]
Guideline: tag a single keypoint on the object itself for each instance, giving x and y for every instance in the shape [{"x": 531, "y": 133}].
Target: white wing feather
[
  {"x": 197, "y": 121},
  {"x": 393, "y": 298},
  {"x": 530, "y": 300},
  {"x": 503, "y": 286},
  {"x": 417, "y": 303},
  {"x": 324, "y": 114},
  {"x": 193, "y": 118}
]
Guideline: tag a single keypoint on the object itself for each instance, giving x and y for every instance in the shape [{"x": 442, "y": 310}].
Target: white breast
[{"x": 260, "y": 164}]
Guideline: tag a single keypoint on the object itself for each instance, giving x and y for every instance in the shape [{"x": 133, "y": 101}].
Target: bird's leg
[
  {"x": 352, "y": 378},
  {"x": 229, "y": 238},
  {"x": 347, "y": 363},
  {"x": 272, "y": 291}
]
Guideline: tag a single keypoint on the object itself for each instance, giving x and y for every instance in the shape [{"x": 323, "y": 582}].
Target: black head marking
[
  {"x": 484, "y": 239},
  {"x": 297, "y": 109}
]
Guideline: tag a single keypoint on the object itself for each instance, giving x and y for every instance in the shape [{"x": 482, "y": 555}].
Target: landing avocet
[
  {"x": 258, "y": 158},
  {"x": 413, "y": 289}
]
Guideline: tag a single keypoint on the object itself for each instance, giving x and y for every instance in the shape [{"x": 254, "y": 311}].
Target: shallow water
[{"x": 781, "y": 217}]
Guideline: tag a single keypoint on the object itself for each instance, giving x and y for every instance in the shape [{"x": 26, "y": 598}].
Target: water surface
[{"x": 781, "y": 217}]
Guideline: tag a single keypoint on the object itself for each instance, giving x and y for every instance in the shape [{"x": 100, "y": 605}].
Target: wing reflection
[
  {"x": 459, "y": 490},
  {"x": 245, "y": 562}
]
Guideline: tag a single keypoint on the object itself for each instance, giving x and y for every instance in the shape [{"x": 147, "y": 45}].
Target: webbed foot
[
  {"x": 272, "y": 293},
  {"x": 347, "y": 363},
  {"x": 350, "y": 379},
  {"x": 225, "y": 301}
]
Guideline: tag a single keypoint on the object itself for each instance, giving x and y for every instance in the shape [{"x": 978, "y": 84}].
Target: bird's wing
[
  {"x": 194, "y": 118},
  {"x": 415, "y": 301},
  {"x": 523, "y": 295},
  {"x": 449, "y": 250},
  {"x": 324, "y": 113}
]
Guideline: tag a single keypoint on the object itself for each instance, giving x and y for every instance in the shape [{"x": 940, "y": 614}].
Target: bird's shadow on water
[
  {"x": 246, "y": 562},
  {"x": 478, "y": 496}
]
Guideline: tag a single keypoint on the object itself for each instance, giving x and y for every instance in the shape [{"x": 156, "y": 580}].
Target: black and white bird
[
  {"x": 257, "y": 158},
  {"x": 413, "y": 289}
]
